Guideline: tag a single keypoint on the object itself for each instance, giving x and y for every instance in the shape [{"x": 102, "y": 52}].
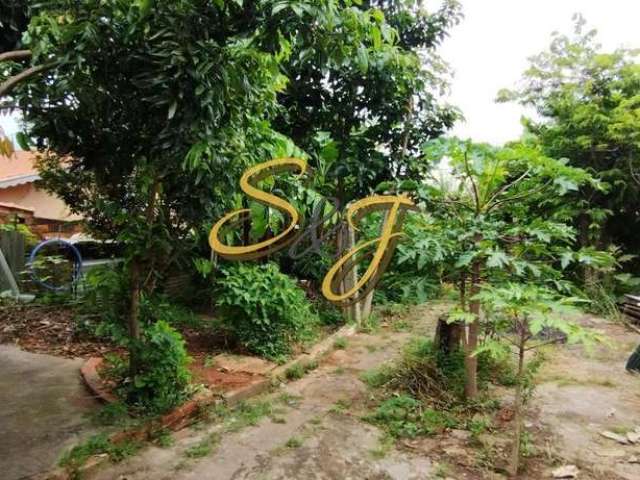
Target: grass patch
[
  {"x": 385, "y": 444},
  {"x": 96, "y": 445},
  {"x": 204, "y": 447},
  {"x": 341, "y": 406},
  {"x": 341, "y": 343},
  {"x": 422, "y": 393},
  {"x": 300, "y": 369},
  {"x": 294, "y": 442},
  {"x": 163, "y": 438}
]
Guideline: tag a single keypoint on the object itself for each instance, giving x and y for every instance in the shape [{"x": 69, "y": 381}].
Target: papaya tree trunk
[
  {"x": 471, "y": 338},
  {"x": 517, "y": 408}
]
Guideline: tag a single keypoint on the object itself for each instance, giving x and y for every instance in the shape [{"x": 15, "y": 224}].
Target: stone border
[{"x": 185, "y": 414}]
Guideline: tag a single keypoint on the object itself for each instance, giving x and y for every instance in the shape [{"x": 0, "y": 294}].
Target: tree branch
[
  {"x": 15, "y": 55},
  {"x": 11, "y": 82}
]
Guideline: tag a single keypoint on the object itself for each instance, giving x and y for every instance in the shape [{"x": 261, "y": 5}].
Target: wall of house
[{"x": 44, "y": 205}]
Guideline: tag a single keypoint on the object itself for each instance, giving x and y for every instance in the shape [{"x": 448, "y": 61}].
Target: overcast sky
[{"x": 489, "y": 49}]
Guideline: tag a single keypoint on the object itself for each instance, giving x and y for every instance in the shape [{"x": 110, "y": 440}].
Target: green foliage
[
  {"x": 404, "y": 416},
  {"x": 587, "y": 102},
  {"x": 300, "y": 369},
  {"x": 204, "y": 447},
  {"x": 98, "y": 444},
  {"x": 341, "y": 343},
  {"x": 162, "y": 380},
  {"x": 265, "y": 310}
]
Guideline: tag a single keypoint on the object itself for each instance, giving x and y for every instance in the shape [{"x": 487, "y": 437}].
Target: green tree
[
  {"x": 502, "y": 217},
  {"x": 148, "y": 114},
  {"x": 363, "y": 92},
  {"x": 521, "y": 314},
  {"x": 588, "y": 103}
]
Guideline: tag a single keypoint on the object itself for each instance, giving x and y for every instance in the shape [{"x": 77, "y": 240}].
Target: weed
[
  {"x": 315, "y": 421},
  {"x": 294, "y": 442},
  {"x": 385, "y": 444},
  {"x": 370, "y": 325},
  {"x": 98, "y": 444},
  {"x": 341, "y": 343},
  {"x": 404, "y": 416},
  {"x": 300, "y": 369},
  {"x": 278, "y": 420},
  {"x": 209, "y": 361},
  {"x": 112, "y": 414},
  {"x": 204, "y": 447},
  {"x": 339, "y": 371},
  {"x": 341, "y": 406},
  {"x": 442, "y": 470},
  {"x": 289, "y": 399},
  {"x": 163, "y": 438}
]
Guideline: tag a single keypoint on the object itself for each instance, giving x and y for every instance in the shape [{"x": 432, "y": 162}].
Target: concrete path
[
  {"x": 316, "y": 434},
  {"x": 43, "y": 411}
]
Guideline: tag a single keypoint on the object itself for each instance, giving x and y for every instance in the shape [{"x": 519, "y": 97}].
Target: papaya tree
[
  {"x": 521, "y": 314},
  {"x": 502, "y": 214}
]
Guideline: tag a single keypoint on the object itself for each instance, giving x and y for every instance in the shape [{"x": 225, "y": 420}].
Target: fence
[{"x": 14, "y": 248}]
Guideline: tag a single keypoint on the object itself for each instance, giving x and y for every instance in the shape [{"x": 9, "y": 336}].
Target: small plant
[
  {"x": 204, "y": 447},
  {"x": 266, "y": 311},
  {"x": 162, "y": 379},
  {"x": 385, "y": 444},
  {"x": 404, "y": 416},
  {"x": 96, "y": 445},
  {"x": 112, "y": 414},
  {"x": 300, "y": 369},
  {"x": 294, "y": 442},
  {"x": 341, "y": 343},
  {"x": 520, "y": 313},
  {"x": 163, "y": 438},
  {"x": 341, "y": 406}
]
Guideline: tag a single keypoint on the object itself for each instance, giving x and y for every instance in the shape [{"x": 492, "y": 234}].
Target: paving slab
[{"x": 44, "y": 410}]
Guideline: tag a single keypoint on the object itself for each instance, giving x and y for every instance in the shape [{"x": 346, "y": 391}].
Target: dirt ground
[{"x": 318, "y": 432}]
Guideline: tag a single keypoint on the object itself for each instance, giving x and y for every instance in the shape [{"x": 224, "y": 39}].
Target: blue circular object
[{"x": 77, "y": 264}]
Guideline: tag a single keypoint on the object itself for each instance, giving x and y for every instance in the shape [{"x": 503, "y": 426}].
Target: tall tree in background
[
  {"x": 372, "y": 107},
  {"x": 589, "y": 107}
]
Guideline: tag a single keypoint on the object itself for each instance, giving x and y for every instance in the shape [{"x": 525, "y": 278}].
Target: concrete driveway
[{"x": 43, "y": 411}]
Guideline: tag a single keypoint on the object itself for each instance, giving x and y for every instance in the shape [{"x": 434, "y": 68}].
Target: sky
[{"x": 489, "y": 50}]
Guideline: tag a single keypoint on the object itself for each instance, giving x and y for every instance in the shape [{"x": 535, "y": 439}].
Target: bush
[
  {"x": 264, "y": 309},
  {"x": 162, "y": 379},
  {"x": 106, "y": 306}
]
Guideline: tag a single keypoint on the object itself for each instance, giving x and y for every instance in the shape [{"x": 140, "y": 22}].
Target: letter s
[{"x": 271, "y": 245}]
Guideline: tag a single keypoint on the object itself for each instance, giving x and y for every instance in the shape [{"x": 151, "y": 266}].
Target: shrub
[
  {"x": 264, "y": 309},
  {"x": 105, "y": 309},
  {"x": 162, "y": 379}
]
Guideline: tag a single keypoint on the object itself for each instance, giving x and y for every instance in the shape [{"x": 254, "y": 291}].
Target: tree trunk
[
  {"x": 135, "y": 278},
  {"x": 134, "y": 315},
  {"x": 448, "y": 336},
  {"x": 517, "y": 408},
  {"x": 471, "y": 338}
]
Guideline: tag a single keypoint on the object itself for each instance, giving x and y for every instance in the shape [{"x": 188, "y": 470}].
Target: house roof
[
  {"x": 13, "y": 206},
  {"x": 18, "y": 169}
]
